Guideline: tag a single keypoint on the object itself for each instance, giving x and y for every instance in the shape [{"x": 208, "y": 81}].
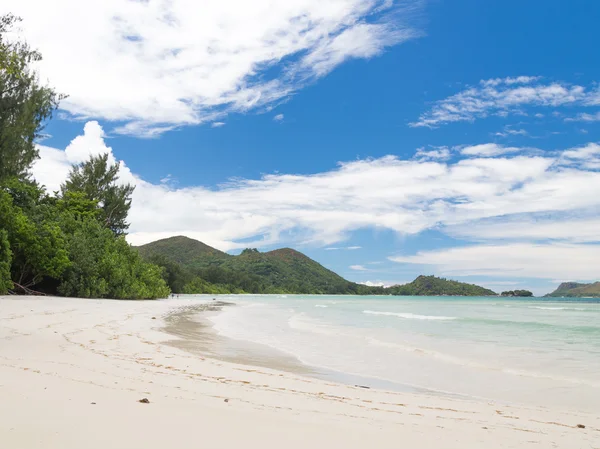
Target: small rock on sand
[
  {"x": 226, "y": 400},
  {"x": 580, "y": 426},
  {"x": 144, "y": 401}
]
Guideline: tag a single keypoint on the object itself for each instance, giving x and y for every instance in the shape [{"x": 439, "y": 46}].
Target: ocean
[{"x": 536, "y": 352}]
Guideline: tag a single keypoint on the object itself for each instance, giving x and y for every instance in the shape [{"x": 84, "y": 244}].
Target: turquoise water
[{"x": 534, "y": 352}]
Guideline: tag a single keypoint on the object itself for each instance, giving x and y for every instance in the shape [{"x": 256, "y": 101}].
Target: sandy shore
[{"x": 72, "y": 372}]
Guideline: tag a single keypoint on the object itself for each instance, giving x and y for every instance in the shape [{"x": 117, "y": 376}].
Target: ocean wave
[
  {"x": 321, "y": 305},
  {"x": 556, "y": 308},
  {"x": 447, "y": 358},
  {"x": 411, "y": 316}
]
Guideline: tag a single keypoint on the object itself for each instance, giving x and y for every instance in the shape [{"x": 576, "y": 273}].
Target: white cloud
[
  {"x": 587, "y": 156},
  {"x": 511, "y": 132},
  {"x": 358, "y": 268},
  {"x": 584, "y": 117},
  {"x": 53, "y": 166},
  {"x": 156, "y": 65},
  {"x": 503, "y": 97},
  {"x": 532, "y": 227},
  {"x": 278, "y": 117},
  {"x": 466, "y": 198},
  {"x": 382, "y": 283},
  {"x": 437, "y": 153},
  {"x": 217, "y": 124},
  {"x": 348, "y": 248},
  {"x": 524, "y": 260},
  {"x": 487, "y": 150}
]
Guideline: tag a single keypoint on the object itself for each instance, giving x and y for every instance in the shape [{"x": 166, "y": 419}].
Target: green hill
[
  {"x": 576, "y": 290},
  {"x": 434, "y": 286},
  {"x": 193, "y": 267},
  {"x": 181, "y": 249}
]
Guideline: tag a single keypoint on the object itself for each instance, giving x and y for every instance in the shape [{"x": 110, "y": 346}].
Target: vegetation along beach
[{"x": 310, "y": 224}]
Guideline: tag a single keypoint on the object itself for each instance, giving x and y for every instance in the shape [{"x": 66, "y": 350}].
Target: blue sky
[{"x": 456, "y": 138}]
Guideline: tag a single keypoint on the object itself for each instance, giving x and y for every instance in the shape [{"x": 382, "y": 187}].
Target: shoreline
[
  {"x": 195, "y": 334},
  {"x": 73, "y": 370}
]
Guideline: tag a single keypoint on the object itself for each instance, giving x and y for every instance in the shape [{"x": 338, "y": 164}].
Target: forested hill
[
  {"x": 576, "y": 290},
  {"x": 202, "y": 269},
  {"x": 193, "y": 267},
  {"x": 181, "y": 249},
  {"x": 434, "y": 286}
]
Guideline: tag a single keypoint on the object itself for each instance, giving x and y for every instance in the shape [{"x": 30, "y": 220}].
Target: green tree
[
  {"x": 25, "y": 105},
  {"x": 98, "y": 180},
  {"x": 5, "y": 259},
  {"x": 105, "y": 266},
  {"x": 174, "y": 274},
  {"x": 36, "y": 242}
]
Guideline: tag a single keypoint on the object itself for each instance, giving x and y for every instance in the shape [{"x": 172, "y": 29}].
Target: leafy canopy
[
  {"x": 25, "y": 105},
  {"x": 5, "y": 259},
  {"x": 97, "y": 179}
]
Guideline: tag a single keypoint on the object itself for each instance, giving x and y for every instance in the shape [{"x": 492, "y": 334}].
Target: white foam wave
[
  {"x": 410, "y": 316},
  {"x": 556, "y": 308},
  {"x": 321, "y": 306}
]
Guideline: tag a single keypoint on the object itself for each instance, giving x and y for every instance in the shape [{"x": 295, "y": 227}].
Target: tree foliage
[
  {"x": 36, "y": 241},
  {"x": 576, "y": 290},
  {"x": 517, "y": 293},
  {"x": 71, "y": 244},
  {"x": 105, "y": 266},
  {"x": 434, "y": 286},
  {"x": 5, "y": 262},
  {"x": 97, "y": 179},
  {"x": 25, "y": 104}
]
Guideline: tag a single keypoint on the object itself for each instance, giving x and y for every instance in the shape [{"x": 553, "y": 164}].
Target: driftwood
[{"x": 26, "y": 290}]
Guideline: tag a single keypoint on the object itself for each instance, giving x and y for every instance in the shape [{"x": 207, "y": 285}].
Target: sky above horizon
[{"x": 385, "y": 139}]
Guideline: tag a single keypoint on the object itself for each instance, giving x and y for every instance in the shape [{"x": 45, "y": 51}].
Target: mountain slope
[
  {"x": 434, "y": 286},
  {"x": 193, "y": 267},
  {"x": 576, "y": 290},
  {"x": 291, "y": 270},
  {"x": 181, "y": 249}
]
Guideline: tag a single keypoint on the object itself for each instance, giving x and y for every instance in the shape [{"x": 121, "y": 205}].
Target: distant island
[
  {"x": 190, "y": 266},
  {"x": 517, "y": 293},
  {"x": 576, "y": 290}
]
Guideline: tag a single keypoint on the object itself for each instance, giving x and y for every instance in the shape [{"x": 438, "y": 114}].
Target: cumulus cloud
[
  {"x": 154, "y": 65},
  {"x": 217, "y": 124},
  {"x": 525, "y": 260},
  {"x": 504, "y": 96},
  {"x": 278, "y": 117},
  {"x": 539, "y": 197},
  {"x": 587, "y": 156}
]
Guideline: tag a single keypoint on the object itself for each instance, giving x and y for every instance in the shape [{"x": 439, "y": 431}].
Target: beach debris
[
  {"x": 363, "y": 386},
  {"x": 144, "y": 401},
  {"x": 93, "y": 403},
  {"x": 153, "y": 317},
  {"x": 226, "y": 400},
  {"x": 580, "y": 426}
]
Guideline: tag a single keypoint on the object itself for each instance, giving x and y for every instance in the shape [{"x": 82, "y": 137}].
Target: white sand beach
[{"x": 72, "y": 372}]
